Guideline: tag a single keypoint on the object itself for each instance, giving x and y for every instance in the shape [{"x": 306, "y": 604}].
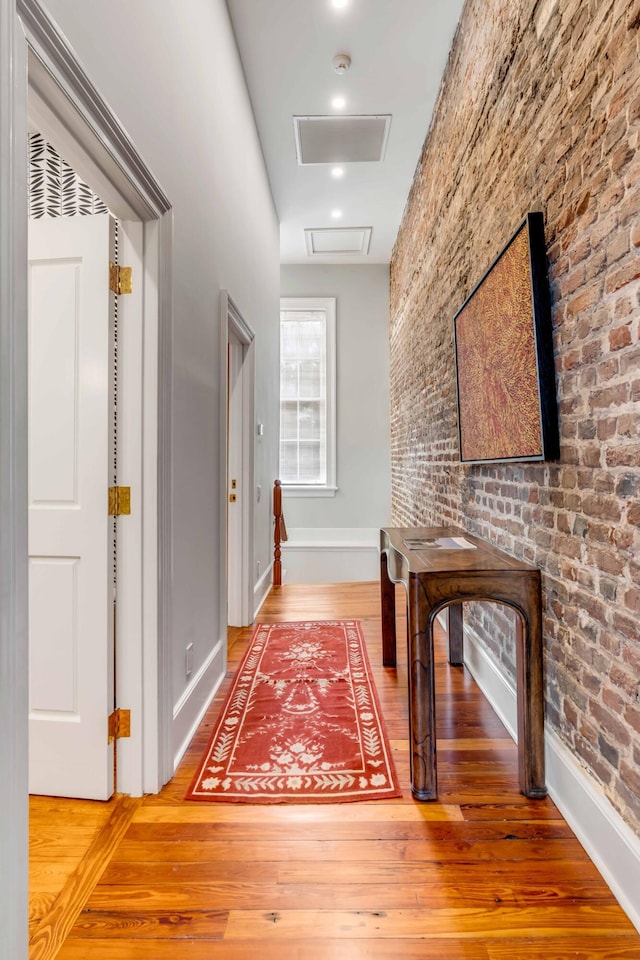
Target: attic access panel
[
  {"x": 339, "y": 241},
  {"x": 356, "y": 139}
]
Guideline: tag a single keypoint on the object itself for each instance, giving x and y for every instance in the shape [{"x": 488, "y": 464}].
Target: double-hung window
[{"x": 307, "y": 396}]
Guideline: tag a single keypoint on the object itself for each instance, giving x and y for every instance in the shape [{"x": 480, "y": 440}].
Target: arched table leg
[
  {"x": 455, "y": 634},
  {"x": 422, "y": 695},
  {"x": 530, "y": 702},
  {"x": 388, "y": 612}
]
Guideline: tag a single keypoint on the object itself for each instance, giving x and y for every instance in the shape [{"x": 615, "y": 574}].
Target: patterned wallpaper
[{"x": 55, "y": 190}]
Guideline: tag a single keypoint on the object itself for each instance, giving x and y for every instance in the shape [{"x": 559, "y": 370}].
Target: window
[{"x": 307, "y": 396}]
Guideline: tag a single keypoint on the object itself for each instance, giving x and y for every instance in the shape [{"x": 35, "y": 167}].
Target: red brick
[
  {"x": 608, "y": 369},
  {"x": 621, "y": 156},
  {"x": 632, "y": 717},
  {"x": 583, "y": 300},
  {"x": 631, "y": 776},
  {"x": 607, "y": 428},
  {"x": 629, "y": 628},
  {"x": 632, "y": 599},
  {"x": 604, "y": 228},
  {"x": 610, "y": 724},
  {"x": 622, "y": 276},
  {"x": 618, "y": 247},
  {"x": 633, "y": 513},
  {"x": 619, "y": 338},
  {"x": 627, "y": 212},
  {"x": 627, "y": 455},
  {"x": 628, "y": 425},
  {"x": 623, "y": 308},
  {"x": 624, "y": 681}
]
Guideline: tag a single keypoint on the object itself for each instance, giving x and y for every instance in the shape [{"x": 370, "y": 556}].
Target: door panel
[{"x": 70, "y": 534}]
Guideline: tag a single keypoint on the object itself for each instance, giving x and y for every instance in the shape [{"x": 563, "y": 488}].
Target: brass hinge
[
  {"x": 119, "y": 501},
  {"x": 119, "y": 279},
  {"x": 119, "y": 725}
]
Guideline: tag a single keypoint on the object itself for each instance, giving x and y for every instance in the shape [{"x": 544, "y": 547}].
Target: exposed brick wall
[{"x": 539, "y": 110}]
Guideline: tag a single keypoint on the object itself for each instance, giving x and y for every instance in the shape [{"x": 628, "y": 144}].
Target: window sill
[{"x": 291, "y": 492}]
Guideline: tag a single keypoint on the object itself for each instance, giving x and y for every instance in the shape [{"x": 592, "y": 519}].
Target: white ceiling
[{"x": 399, "y": 49}]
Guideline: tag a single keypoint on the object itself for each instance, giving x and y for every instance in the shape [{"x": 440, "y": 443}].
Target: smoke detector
[{"x": 341, "y": 63}]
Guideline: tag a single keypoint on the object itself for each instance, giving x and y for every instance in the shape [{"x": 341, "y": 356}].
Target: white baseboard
[
  {"x": 331, "y": 555},
  {"x": 496, "y": 687},
  {"x": 262, "y": 589},
  {"x": 194, "y": 702},
  {"x": 611, "y": 844}
]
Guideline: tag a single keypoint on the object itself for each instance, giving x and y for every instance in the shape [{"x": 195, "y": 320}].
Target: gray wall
[
  {"x": 174, "y": 80},
  {"x": 363, "y": 432}
]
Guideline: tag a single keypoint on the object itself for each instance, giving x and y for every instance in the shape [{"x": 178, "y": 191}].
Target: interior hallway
[{"x": 483, "y": 873}]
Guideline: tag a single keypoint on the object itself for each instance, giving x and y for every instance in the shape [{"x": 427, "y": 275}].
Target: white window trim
[{"x": 328, "y": 304}]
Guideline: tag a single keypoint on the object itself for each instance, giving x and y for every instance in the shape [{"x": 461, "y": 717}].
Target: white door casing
[
  {"x": 235, "y": 332},
  {"x": 70, "y": 532},
  {"x": 235, "y": 474},
  {"x": 130, "y": 612}
]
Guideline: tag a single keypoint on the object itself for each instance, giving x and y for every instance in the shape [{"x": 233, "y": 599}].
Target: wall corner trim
[
  {"x": 262, "y": 589},
  {"x": 611, "y": 844}
]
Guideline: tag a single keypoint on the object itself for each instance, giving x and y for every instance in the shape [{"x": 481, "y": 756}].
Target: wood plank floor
[{"x": 481, "y": 874}]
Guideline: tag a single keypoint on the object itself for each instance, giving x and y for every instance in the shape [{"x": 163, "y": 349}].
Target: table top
[{"x": 447, "y": 550}]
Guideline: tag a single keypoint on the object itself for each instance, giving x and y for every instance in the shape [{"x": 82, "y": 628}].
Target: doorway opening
[{"x": 238, "y": 378}]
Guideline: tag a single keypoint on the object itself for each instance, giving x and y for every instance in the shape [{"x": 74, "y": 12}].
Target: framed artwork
[{"x": 504, "y": 357}]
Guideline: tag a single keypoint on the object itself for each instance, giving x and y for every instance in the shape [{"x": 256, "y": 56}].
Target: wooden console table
[{"x": 436, "y": 578}]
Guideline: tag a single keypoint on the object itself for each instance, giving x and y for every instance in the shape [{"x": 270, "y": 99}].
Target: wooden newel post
[{"x": 279, "y": 533}]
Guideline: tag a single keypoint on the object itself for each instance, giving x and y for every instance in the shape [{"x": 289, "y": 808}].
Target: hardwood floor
[{"x": 481, "y": 874}]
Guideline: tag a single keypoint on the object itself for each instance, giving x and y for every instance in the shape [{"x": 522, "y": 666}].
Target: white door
[
  {"x": 70, "y": 533},
  {"x": 235, "y": 485}
]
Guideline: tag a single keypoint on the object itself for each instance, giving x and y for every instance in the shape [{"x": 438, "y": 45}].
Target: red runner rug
[{"x": 301, "y": 722}]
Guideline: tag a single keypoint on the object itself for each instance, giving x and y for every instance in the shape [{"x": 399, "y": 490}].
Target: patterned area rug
[{"x": 301, "y": 723}]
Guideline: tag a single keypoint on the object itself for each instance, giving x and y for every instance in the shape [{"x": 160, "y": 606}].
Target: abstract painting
[{"x": 504, "y": 357}]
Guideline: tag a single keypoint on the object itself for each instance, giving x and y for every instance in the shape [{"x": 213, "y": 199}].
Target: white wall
[
  {"x": 173, "y": 78},
  {"x": 363, "y": 421},
  {"x": 347, "y": 546}
]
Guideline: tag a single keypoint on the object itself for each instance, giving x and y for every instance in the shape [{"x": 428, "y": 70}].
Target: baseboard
[
  {"x": 611, "y": 844},
  {"x": 496, "y": 687},
  {"x": 262, "y": 589},
  {"x": 331, "y": 555},
  {"x": 194, "y": 702}
]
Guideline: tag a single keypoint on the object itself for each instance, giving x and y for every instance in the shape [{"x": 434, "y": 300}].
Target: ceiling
[{"x": 398, "y": 51}]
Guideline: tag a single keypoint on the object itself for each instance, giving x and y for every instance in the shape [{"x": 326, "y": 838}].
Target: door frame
[
  {"x": 36, "y": 59},
  {"x": 234, "y": 327},
  {"x": 71, "y": 113},
  {"x": 14, "y": 840}
]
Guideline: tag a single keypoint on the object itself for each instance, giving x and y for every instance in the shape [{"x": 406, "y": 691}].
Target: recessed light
[
  {"x": 336, "y": 214},
  {"x": 339, "y": 4},
  {"x": 338, "y": 103},
  {"x": 337, "y": 172}
]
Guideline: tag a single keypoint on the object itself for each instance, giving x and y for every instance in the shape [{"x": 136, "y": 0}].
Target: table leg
[
  {"x": 388, "y": 601},
  {"x": 422, "y": 714},
  {"x": 530, "y": 702},
  {"x": 455, "y": 634}
]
